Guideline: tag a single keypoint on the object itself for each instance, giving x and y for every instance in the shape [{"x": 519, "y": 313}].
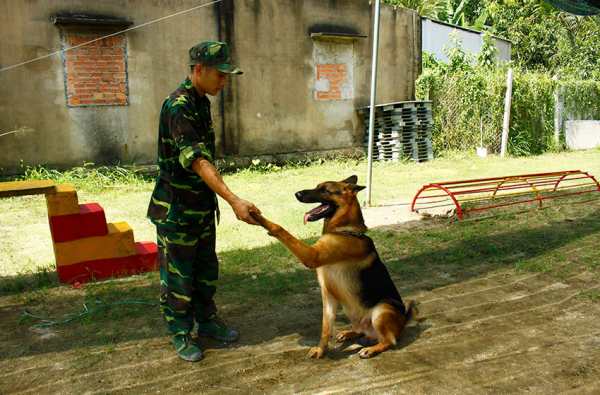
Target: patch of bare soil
[{"x": 500, "y": 333}]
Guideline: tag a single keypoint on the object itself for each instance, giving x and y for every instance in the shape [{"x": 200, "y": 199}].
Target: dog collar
[{"x": 350, "y": 233}]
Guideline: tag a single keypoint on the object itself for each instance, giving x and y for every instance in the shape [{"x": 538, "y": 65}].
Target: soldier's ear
[
  {"x": 197, "y": 68},
  {"x": 351, "y": 180}
]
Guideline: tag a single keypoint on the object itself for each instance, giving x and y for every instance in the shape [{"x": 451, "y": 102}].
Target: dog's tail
[{"x": 412, "y": 312}]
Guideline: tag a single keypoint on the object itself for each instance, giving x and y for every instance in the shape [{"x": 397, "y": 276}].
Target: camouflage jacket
[{"x": 180, "y": 197}]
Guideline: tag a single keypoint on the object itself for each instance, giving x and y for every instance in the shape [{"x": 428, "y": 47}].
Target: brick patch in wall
[
  {"x": 95, "y": 73},
  {"x": 330, "y": 79}
]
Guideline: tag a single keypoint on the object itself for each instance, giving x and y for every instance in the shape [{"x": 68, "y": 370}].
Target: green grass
[
  {"x": 424, "y": 258},
  {"x": 124, "y": 194},
  {"x": 87, "y": 176},
  {"x": 39, "y": 278},
  {"x": 593, "y": 295},
  {"x": 258, "y": 273}
]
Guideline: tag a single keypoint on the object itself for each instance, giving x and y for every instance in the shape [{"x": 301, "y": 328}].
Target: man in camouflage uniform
[{"x": 183, "y": 205}]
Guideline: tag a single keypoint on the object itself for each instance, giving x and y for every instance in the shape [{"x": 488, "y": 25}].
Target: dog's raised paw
[{"x": 316, "y": 352}]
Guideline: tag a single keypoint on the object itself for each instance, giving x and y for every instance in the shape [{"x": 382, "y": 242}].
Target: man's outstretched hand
[{"x": 243, "y": 210}]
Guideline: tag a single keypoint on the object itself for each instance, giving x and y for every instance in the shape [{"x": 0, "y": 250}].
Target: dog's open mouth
[{"x": 321, "y": 211}]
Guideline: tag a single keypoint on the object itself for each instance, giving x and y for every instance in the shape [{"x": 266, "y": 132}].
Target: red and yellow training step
[{"x": 86, "y": 247}]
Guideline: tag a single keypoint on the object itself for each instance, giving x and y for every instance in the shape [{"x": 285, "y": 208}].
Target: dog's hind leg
[
  {"x": 329, "y": 311},
  {"x": 388, "y": 323}
]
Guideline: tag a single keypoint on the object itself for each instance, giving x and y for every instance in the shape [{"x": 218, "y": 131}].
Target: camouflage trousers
[{"x": 188, "y": 269}]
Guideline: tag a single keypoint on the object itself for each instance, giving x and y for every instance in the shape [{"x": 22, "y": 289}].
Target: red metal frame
[{"x": 543, "y": 186}]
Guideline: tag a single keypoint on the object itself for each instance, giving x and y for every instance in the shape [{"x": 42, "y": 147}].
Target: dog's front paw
[
  {"x": 257, "y": 217},
  {"x": 343, "y": 336},
  {"x": 316, "y": 352},
  {"x": 262, "y": 221},
  {"x": 368, "y": 352}
]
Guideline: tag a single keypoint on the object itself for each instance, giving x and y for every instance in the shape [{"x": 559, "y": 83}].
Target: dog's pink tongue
[{"x": 306, "y": 218}]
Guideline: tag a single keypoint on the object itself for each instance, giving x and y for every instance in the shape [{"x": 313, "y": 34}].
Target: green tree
[
  {"x": 487, "y": 55},
  {"x": 578, "y": 48},
  {"x": 545, "y": 39},
  {"x": 533, "y": 28},
  {"x": 457, "y": 12},
  {"x": 428, "y": 8}
]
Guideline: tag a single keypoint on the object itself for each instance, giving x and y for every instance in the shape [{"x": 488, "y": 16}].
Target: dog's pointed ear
[
  {"x": 351, "y": 180},
  {"x": 357, "y": 188}
]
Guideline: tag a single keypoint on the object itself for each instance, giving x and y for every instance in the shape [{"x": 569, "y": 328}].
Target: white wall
[
  {"x": 582, "y": 134},
  {"x": 437, "y": 37}
]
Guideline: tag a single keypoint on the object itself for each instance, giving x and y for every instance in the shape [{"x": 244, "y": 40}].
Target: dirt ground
[{"x": 501, "y": 332}]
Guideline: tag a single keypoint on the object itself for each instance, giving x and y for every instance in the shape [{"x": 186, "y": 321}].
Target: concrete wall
[
  {"x": 33, "y": 96},
  {"x": 582, "y": 134},
  {"x": 275, "y": 110},
  {"x": 270, "y": 109},
  {"x": 437, "y": 38}
]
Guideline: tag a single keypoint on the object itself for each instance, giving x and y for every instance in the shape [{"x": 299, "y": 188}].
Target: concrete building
[{"x": 306, "y": 70}]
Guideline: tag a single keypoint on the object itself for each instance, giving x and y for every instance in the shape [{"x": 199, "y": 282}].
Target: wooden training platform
[{"x": 23, "y": 188}]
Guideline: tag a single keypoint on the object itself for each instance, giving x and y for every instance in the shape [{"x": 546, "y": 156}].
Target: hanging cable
[{"x": 108, "y": 35}]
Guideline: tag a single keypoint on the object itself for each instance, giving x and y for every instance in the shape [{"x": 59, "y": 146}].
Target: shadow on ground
[{"x": 268, "y": 305}]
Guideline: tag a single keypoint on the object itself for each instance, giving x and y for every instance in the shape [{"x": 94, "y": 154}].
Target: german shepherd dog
[{"x": 348, "y": 268}]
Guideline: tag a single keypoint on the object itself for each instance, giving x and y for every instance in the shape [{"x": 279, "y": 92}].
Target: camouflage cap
[{"x": 213, "y": 54}]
